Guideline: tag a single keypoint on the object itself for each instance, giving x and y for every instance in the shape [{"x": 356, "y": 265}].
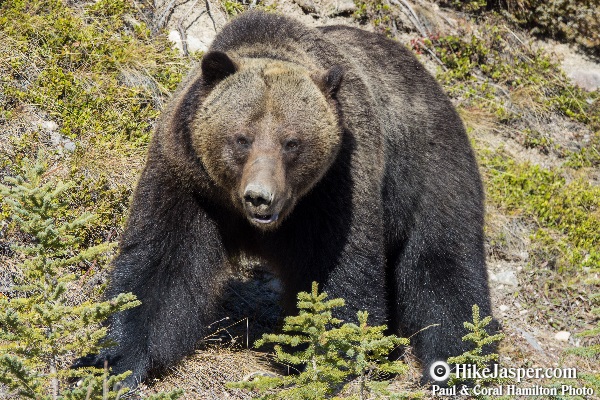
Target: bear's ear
[
  {"x": 216, "y": 66},
  {"x": 329, "y": 81}
]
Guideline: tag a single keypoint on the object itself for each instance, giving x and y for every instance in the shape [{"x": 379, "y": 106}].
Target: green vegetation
[
  {"x": 331, "y": 353},
  {"x": 233, "y": 7},
  {"x": 97, "y": 74},
  {"x": 378, "y": 13},
  {"x": 42, "y": 326},
  {"x": 480, "y": 338},
  {"x": 494, "y": 71},
  {"x": 570, "y": 20},
  {"x": 591, "y": 351},
  {"x": 566, "y": 214},
  {"x": 496, "y": 68}
]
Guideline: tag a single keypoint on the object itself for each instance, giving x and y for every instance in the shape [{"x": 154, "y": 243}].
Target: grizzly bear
[{"x": 331, "y": 154}]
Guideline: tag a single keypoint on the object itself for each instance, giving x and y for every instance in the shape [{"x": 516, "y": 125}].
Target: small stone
[
  {"x": 194, "y": 44},
  {"x": 531, "y": 340},
  {"x": 506, "y": 278},
  {"x": 69, "y": 145},
  {"x": 307, "y": 6},
  {"x": 343, "y": 7},
  {"x": 49, "y": 126},
  {"x": 562, "y": 336},
  {"x": 585, "y": 79},
  {"x": 175, "y": 38},
  {"x": 62, "y": 142},
  {"x": 503, "y": 308},
  {"x": 256, "y": 374}
]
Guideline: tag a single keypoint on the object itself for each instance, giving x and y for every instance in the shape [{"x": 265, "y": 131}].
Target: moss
[
  {"x": 233, "y": 7},
  {"x": 378, "y": 13},
  {"x": 566, "y": 213},
  {"x": 96, "y": 74}
]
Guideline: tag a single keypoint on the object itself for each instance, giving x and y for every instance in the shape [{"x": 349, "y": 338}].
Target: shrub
[
  {"x": 480, "y": 338},
  {"x": 330, "y": 354},
  {"x": 41, "y": 327}
]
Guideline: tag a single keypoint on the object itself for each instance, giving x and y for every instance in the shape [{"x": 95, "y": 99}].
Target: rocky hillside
[{"x": 85, "y": 82}]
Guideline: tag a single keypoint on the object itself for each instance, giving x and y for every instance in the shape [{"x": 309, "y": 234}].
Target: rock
[
  {"x": 62, "y": 142},
  {"x": 582, "y": 70},
  {"x": 250, "y": 377},
  {"x": 340, "y": 7},
  {"x": 585, "y": 79},
  {"x": 193, "y": 43},
  {"x": 199, "y": 22},
  {"x": 508, "y": 278},
  {"x": 503, "y": 308},
  {"x": 307, "y": 6},
  {"x": 49, "y": 126},
  {"x": 175, "y": 38},
  {"x": 531, "y": 340},
  {"x": 562, "y": 336}
]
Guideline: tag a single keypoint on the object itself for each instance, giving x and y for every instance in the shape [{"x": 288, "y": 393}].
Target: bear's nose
[{"x": 258, "y": 196}]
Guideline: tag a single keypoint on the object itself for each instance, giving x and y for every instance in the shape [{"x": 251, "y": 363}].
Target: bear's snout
[
  {"x": 257, "y": 195},
  {"x": 262, "y": 190},
  {"x": 258, "y": 202}
]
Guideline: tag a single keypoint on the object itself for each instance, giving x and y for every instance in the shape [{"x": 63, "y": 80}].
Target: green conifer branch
[{"x": 40, "y": 329}]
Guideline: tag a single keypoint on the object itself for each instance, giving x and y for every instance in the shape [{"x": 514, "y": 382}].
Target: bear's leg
[
  {"x": 347, "y": 261},
  {"x": 171, "y": 257},
  {"x": 437, "y": 282}
]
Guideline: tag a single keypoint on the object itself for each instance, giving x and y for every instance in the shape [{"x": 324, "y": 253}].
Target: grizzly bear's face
[{"x": 266, "y": 133}]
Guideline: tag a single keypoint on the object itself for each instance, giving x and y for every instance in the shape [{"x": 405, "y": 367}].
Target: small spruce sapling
[
  {"x": 480, "y": 338},
  {"x": 367, "y": 348},
  {"x": 325, "y": 367},
  {"x": 41, "y": 329},
  {"x": 332, "y": 353}
]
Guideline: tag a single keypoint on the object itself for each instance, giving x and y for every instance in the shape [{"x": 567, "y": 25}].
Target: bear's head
[{"x": 267, "y": 132}]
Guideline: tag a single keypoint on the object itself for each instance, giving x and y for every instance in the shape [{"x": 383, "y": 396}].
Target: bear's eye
[
  {"x": 243, "y": 142},
  {"x": 291, "y": 145}
]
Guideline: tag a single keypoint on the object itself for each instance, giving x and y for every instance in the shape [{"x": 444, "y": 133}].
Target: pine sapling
[
  {"x": 480, "y": 338},
  {"x": 331, "y": 354},
  {"x": 41, "y": 329},
  {"x": 367, "y": 347},
  {"x": 324, "y": 366}
]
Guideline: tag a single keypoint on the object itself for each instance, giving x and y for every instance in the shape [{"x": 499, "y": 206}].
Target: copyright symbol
[{"x": 439, "y": 371}]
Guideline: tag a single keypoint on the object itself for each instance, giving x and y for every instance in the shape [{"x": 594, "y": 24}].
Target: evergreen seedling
[
  {"x": 41, "y": 329},
  {"x": 330, "y": 353},
  {"x": 367, "y": 348},
  {"x": 480, "y": 338},
  {"x": 324, "y": 369}
]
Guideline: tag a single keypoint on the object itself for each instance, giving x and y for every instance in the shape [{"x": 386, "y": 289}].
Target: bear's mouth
[{"x": 265, "y": 218}]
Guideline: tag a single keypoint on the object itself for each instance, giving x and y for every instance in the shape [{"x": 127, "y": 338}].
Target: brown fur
[{"x": 378, "y": 196}]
